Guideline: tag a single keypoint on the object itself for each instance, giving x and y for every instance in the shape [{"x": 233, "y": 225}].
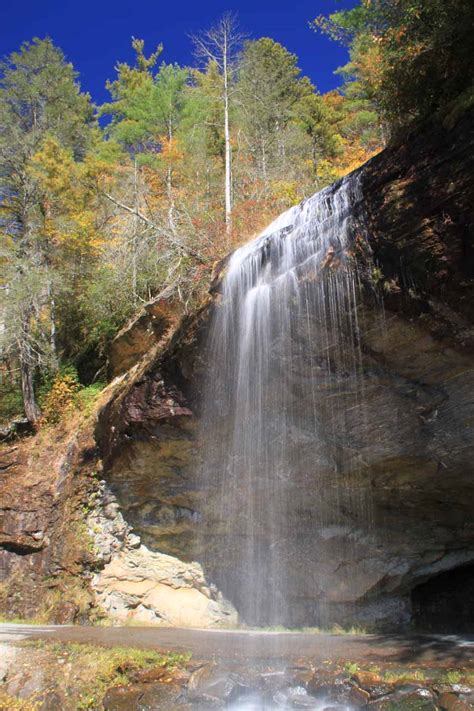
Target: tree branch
[{"x": 172, "y": 240}]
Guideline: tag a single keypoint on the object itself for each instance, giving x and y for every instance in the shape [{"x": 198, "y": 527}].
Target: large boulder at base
[{"x": 153, "y": 587}]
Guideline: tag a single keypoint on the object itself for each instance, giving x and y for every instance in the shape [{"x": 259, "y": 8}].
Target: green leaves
[{"x": 411, "y": 58}]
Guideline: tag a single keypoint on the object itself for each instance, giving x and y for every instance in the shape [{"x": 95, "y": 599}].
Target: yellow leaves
[
  {"x": 68, "y": 200},
  {"x": 285, "y": 191},
  {"x": 60, "y": 399},
  {"x": 327, "y": 172},
  {"x": 353, "y": 155}
]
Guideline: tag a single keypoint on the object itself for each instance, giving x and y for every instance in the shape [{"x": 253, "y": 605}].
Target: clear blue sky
[{"x": 95, "y": 34}]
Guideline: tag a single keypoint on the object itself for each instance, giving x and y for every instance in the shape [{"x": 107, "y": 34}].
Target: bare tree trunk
[
  {"x": 53, "y": 326},
  {"x": 264, "y": 163},
  {"x": 135, "y": 233},
  {"x": 228, "y": 147},
  {"x": 27, "y": 368},
  {"x": 52, "y": 319},
  {"x": 169, "y": 185},
  {"x": 220, "y": 44}
]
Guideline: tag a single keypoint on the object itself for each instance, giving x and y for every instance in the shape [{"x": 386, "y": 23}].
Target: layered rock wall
[{"x": 414, "y": 448}]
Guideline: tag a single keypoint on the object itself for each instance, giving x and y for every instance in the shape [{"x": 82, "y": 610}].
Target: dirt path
[{"x": 442, "y": 650}]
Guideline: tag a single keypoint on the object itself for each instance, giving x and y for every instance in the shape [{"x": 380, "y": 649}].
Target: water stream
[{"x": 283, "y": 358}]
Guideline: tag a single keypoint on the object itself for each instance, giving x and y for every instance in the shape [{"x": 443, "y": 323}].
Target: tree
[
  {"x": 270, "y": 87},
  {"x": 220, "y": 46},
  {"x": 132, "y": 126},
  {"x": 147, "y": 110},
  {"x": 319, "y": 120},
  {"x": 39, "y": 99},
  {"x": 96, "y": 221},
  {"x": 410, "y": 58}
]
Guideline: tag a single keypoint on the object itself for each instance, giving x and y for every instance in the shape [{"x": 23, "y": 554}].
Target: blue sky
[{"x": 95, "y": 34}]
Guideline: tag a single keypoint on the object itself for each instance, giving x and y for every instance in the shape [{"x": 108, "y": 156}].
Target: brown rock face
[
  {"x": 415, "y": 446},
  {"x": 44, "y": 481},
  {"x": 414, "y": 449},
  {"x": 141, "y": 333}
]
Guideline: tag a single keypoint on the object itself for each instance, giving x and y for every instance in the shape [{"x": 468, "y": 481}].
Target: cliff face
[{"x": 414, "y": 449}]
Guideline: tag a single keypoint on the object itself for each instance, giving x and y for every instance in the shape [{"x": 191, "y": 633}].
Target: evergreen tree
[
  {"x": 270, "y": 88},
  {"x": 39, "y": 100}
]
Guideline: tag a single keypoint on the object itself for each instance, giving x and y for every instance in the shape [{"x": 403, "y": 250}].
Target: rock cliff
[{"x": 415, "y": 448}]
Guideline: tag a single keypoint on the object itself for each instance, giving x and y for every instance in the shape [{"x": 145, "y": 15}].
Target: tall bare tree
[{"x": 221, "y": 45}]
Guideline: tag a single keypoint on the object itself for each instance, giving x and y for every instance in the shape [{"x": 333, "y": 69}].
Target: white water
[
  {"x": 283, "y": 355},
  {"x": 296, "y": 698}
]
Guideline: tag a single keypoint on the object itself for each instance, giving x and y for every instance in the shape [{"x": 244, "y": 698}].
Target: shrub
[
  {"x": 60, "y": 400},
  {"x": 63, "y": 395}
]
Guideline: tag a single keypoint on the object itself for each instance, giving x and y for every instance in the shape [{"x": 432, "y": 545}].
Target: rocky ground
[{"x": 48, "y": 676}]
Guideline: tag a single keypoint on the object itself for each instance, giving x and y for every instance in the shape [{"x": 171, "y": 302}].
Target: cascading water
[{"x": 283, "y": 356}]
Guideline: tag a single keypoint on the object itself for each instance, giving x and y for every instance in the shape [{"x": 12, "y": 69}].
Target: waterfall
[{"x": 283, "y": 361}]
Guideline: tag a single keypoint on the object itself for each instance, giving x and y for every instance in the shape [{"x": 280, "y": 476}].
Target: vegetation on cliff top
[{"x": 188, "y": 162}]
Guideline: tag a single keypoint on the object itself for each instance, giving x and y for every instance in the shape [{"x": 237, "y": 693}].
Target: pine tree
[
  {"x": 270, "y": 87},
  {"x": 40, "y": 99}
]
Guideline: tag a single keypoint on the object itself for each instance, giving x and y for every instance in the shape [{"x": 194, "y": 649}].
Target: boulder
[{"x": 153, "y": 587}]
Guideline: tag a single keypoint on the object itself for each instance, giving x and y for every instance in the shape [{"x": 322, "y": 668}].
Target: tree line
[{"x": 105, "y": 207}]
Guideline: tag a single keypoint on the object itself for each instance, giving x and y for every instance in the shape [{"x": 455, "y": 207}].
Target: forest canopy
[{"x": 105, "y": 207}]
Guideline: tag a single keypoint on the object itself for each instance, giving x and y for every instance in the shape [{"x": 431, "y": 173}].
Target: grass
[
  {"x": 393, "y": 677},
  {"x": 87, "y": 397},
  {"x": 452, "y": 676},
  {"x": 97, "y": 669},
  {"x": 351, "y": 668},
  {"x": 4, "y": 620},
  {"x": 410, "y": 675},
  {"x": 10, "y": 703}
]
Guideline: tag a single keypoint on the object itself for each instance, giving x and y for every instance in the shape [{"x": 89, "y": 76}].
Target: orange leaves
[
  {"x": 171, "y": 151},
  {"x": 60, "y": 400}
]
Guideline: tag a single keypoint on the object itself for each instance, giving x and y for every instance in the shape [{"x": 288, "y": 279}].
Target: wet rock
[
  {"x": 302, "y": 675},
  {"x": 322, "y": 678},
  {"x": 329, "y": 687},
  {"x": 211, "y": 683},
  {"x": 242, "y": 691},
  {"x": 371, "y": 683},
  {"x": 367, "y": 679},
  {"x": 331, "y": 693},
  {"x": 451, "y": 702},
  {"x": 295, "y": 697},
  {"x": 52, "y": 701},
  {"x": 157, "y": 674},
  {"x": 406, "y": 698},
  {"x": 358, "y": 698},
  {"x": 122, "y": 698},
  {"x": 468, "y": 698},
  {"x": 142, "y": 697},
  {"x": 159, "y": 697}
]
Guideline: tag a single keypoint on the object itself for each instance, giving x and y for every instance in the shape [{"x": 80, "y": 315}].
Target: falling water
[{"x": 283, "y": 362}]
